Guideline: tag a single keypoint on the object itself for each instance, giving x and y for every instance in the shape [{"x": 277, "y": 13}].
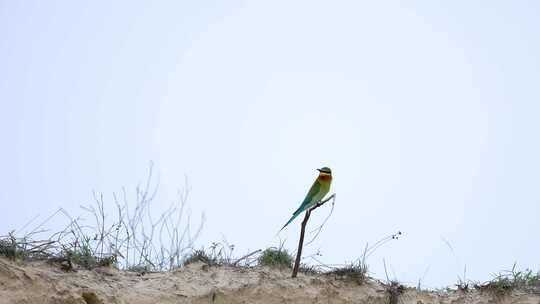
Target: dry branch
[{"x": 303, "y": 230}]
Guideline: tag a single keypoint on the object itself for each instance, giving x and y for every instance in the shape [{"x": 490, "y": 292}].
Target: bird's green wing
[
  {"x": 315, "y": 189},
  {"x": 308, "y": 201}
]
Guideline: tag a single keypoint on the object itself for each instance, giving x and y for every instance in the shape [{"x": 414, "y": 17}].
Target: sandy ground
[{"x": 39, "y": 282}]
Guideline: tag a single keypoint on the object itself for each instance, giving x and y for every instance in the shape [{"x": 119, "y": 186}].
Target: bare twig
[
  {"x": 319, "y": 229},
  {"x": 302, "y": 233},
  {"x": 246, "y": 256}
]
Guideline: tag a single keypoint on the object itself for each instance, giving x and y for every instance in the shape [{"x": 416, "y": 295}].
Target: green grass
[
  {"x": 510, "y": 280},
  {"x": 24, "y": 248},
  {"x": 275, "y": 257},
  {"x": 309, "y": 269},
  {"x": 356, "y": 271},
  {"x": 218, "y": 254},
  {"x": 141, "y": 269},
  {"x": 199, "y": 255},
  {"x": 8, "y": 248}
]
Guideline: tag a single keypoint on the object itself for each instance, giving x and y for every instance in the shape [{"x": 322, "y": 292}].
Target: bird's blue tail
[{"x": 295, "y": 214}]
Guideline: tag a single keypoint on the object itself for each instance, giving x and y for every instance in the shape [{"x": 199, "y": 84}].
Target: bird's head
[{"x": 325, "y": 171}]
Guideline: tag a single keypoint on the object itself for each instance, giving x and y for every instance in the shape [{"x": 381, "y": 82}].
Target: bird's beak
[{"x": 319, "y": 170}]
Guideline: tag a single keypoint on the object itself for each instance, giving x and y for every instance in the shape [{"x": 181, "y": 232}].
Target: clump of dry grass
[
  {"x": 358, "y": 270},
  {"x": 218, "y": 254},
  {"x": 507, "y": 281},
  {"x": 310, "y": 269},
  {"x": 394, "y": 290},
  {"x": 199, "y": 255},
  {"x": 355, "y": 271},
  {"x": 129, "y": 237}
]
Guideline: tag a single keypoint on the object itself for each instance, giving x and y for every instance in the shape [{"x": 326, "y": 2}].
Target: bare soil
[{"x": 41, "y": 282}]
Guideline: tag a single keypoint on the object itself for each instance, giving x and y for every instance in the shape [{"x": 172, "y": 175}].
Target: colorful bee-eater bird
[{"x": 318, "y": 190}]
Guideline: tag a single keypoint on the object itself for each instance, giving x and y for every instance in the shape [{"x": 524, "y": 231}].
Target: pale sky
[{"x": 426, "y": 111}]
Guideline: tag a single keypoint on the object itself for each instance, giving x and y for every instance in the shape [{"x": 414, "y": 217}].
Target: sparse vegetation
[
  {"x": 199, "y": 255},
  {"x": 82, "y": 256},
  {"x": 24, "y": 248},
  {"x": 310, "y": 269},
  {"x": 358, "y": 271},
  {"x": 276, "y": 257},
  {"x": 394, "y": 289},
  {"x": 9, "y": 248},
  {"x": 133, "y": 238},
  {"x": 136, "y": 241},
  {"x": 355, "y": 271},
  {"x": 218, "y": 254},
  {"x": 510, "y": 280},
  {"x": 463, "y": 284},
  {"x": 141, "y": 269}
]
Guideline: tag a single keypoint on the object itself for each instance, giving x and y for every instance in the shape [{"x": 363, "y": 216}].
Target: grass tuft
[
  {"x": 218, "y": 254},
  {"x": 140, "y": 269},
  {"x": 9, "y": 248},
  {"x": 510, "y": 280},
  {"x": 356, "y": 272},
  {"x": 275, "y": 257},
  {"x": 199, "y": 256},
  {"x": 394, "y": 290},
  {"x": 309, "y": 269}
]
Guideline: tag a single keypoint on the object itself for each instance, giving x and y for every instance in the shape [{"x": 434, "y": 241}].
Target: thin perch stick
[{"x": 302, "y": 233}]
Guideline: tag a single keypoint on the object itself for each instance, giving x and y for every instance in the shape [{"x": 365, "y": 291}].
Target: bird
[{"x": 318, "y": 190}]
